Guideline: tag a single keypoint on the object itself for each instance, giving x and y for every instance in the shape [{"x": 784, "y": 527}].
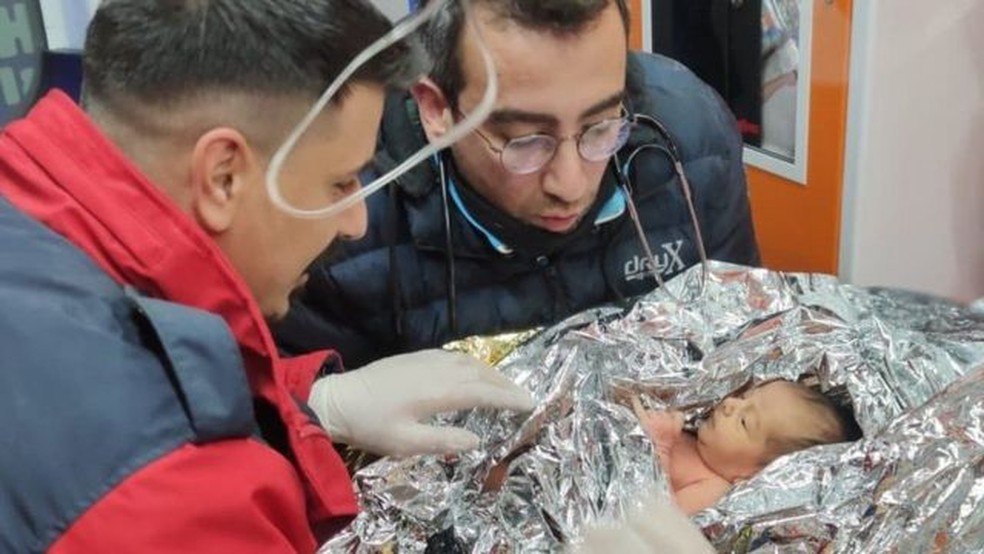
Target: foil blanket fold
[{"x": 910, "y": 366}]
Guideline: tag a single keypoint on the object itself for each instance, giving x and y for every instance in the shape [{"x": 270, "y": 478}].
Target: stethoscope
[{"x": 664, "y": 145}]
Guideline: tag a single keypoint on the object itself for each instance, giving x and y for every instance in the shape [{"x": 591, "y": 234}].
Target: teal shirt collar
[{"x": 613, "y": 209}]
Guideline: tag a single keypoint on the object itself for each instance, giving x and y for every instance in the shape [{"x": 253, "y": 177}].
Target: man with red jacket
[{"x": 144, "y": 407}]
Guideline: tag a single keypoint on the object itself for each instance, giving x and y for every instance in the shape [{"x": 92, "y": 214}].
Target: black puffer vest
[{"x": 414, "y": 282}]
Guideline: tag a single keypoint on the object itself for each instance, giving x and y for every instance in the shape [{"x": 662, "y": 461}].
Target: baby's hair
[{"x": 833, "y": 423}]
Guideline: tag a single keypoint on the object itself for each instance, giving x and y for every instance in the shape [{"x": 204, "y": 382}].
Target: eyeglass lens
[{"x": 595, "y": 144}]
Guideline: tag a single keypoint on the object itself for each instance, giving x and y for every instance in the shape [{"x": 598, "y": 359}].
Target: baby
[{"x": 743, "y": 434}]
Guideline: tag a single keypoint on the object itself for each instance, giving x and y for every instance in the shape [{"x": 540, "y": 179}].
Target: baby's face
[{"x": 735, "y": 440}]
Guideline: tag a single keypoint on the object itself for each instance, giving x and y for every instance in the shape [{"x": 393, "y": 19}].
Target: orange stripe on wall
[
  {"x": 799, "y": 226},
  {"x": 635, "y": 32}
]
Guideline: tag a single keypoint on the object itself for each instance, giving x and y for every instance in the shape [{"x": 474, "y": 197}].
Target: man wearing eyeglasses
[{"x": 526, "y": 220}]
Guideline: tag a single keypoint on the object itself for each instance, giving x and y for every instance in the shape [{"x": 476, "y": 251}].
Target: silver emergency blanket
[{"x": 906, "y": 364}]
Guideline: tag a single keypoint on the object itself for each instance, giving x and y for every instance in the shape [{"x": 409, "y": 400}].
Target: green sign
[{"x": 22, "y": 42}]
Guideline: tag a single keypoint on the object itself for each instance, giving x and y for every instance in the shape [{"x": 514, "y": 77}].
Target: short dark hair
[
  {"x": 833, "y": 423},
  {"x": 161, "y": 51},
  {"x": 442, "y": 34}
]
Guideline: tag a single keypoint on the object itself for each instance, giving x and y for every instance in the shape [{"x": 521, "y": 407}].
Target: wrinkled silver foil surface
[{"x": 906, "y": 363}]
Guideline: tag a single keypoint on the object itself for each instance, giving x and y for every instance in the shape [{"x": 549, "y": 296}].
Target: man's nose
[
  {"x": 354, "y": 222},
  {"x": 565, "y": 178}
]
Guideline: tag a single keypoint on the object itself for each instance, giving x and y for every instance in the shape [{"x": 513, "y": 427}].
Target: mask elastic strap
[{"x": 466, "y": 126}]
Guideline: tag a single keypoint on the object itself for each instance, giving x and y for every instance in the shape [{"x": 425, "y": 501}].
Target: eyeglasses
[{"x": 531, "y": 153}]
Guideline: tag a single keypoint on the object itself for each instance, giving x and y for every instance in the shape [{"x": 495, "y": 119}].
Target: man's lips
[{"x": 558, "y": 223}]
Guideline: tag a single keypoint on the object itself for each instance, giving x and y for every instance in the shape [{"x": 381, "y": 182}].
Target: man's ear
[
  {"x": 220, "y": 165},
  {"x": 435, "y": 112}
]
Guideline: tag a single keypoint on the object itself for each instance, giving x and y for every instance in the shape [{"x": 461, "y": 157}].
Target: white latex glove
[
  {"x": 378, "y": 408},
  {"x": 655, "y": 526}
]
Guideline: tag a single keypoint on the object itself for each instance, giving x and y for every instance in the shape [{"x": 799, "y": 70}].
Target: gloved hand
[
  {"x": 378, "y": 408},
  {"x": 655, "y": 526}
]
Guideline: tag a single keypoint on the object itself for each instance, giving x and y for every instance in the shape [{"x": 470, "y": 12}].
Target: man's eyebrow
[
  {"x": 506, "y": 116},
  {"x": 604, "y": 105}
]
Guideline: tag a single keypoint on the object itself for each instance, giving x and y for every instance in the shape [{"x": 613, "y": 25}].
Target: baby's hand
[{"x": 662, "y": 427}]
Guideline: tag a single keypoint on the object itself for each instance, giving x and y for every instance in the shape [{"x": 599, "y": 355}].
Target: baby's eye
[{"x": 743, "y": 424}]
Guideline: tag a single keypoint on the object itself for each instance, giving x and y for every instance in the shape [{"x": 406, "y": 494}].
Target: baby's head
[{"x": 747, "y": 431}]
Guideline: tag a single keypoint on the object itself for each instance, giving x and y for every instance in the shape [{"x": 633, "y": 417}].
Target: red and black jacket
[{"x": 144, "y": 405}]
